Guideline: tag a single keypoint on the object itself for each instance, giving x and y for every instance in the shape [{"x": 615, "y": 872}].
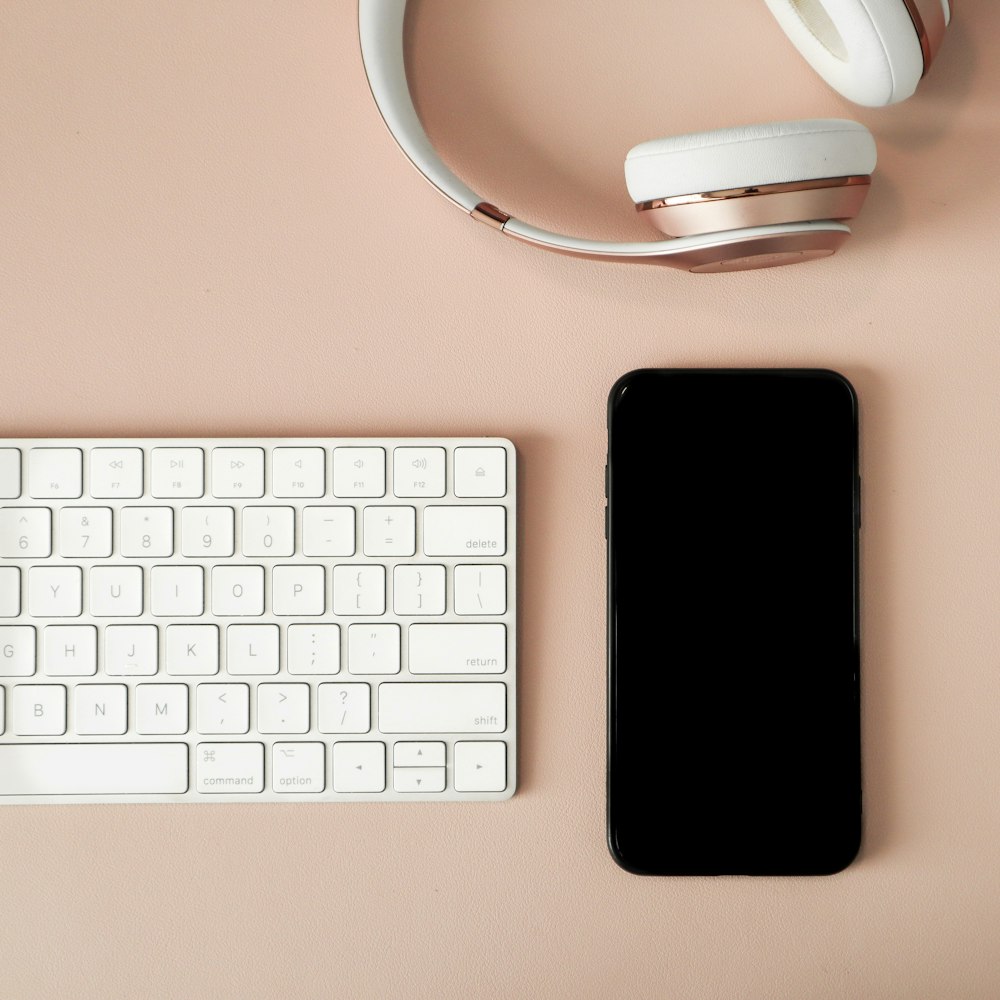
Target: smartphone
[{"x": 733, "y": 654}]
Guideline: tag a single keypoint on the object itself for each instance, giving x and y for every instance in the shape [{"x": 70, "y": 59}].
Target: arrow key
[
  {"x": 418, "y": 754},
  {"x": 418, "y": 779},
  {"x": 480, "y": 766},
  {"x": 359, "y": 767}
]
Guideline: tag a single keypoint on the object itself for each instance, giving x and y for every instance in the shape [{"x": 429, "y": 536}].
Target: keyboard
[{"x": 247, "y": 620}]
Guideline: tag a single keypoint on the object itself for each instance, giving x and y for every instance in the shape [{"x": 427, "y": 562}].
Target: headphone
[{"x": 734, "y": 198}]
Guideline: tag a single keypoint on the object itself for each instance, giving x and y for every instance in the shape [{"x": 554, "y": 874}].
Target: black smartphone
[{"x": 733, "y": 655}]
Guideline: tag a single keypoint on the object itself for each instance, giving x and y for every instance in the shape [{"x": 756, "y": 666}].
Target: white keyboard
[{"x": 257, "y": 620}]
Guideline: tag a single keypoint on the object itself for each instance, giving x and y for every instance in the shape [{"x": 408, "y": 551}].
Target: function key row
[{"x": 246, "y": 472}]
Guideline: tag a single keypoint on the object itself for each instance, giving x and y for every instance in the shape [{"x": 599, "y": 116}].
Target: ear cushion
[
  {"x": 868, "y": 50},
  {"x": 748, "y": 156}
]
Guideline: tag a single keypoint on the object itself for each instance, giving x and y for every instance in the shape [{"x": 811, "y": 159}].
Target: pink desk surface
[{"x": 205, "y": 229}]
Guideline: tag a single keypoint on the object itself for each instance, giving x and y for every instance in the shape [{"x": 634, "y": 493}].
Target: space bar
[{"x": 93, "y": 768}]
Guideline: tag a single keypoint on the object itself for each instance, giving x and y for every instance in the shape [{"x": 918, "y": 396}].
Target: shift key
[
  {"x": 420, "y": 707},
  {"x": 461, "y": 531}
]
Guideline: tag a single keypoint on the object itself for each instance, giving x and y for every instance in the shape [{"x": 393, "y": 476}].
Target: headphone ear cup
[
  {"x": 752, "y": 175},
  {"x": 867, "y": 50}
]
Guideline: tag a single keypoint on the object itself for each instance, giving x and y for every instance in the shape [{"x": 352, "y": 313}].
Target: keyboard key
[
  {"x": 359, "y": 590},
  {"x": 10, "y": 473},
  {"x": 313, "y": 649},
  {"x": 94, "y": 769},
  {"x": 418, "y": 754},
  {"x": 390, "y": 531},
  {"x": 373, "y": 649},
  {"x": 458, "y": 649},
  {"x": 298, "y": 472},
  {"x": 10, "y": 591},
  {"x": 418, "y": 590},
  {"x": 230, "y": 768},
  {"x": 177, "y": 591},
  {"x": 298, "y": 767},
  {"x": 101, "y": 709},
  {"x": 85, "y": 532},
  {"x": 161, "y": 709},
  {"x": 359, "y": 767},
  {"x": 71, "y": 650},
  {"x": 17, "y": 650},
  {"x": 328, "y": 531},
  {"x": 3, "y": 717},
  {"x": 192, "y": 650},
  {"x": 238, "y": 591},
  {"x": 283, "y": 708},
  {"x": 55, "y": 591},
  {"x": 207, "y": 532},
  {"x": 344, "y": 708},
  {"x": 465, "y": 531},
  {"x": 480, "y": 472},
  {"x": 131, "y": 650},
  {"x": 480, "y": 766},
  {"x": 178, "y": 473},
  {"x": 359, "y": 472},
  {"x": 418, "y": 472},
  {"x": 116, "y": 473},
  {"x": 269, "y": 531},
  {"x": 25, "y": 532},
  {"x": 480, "y": 590},
  {"x": 39, "y": 710},
  {"x": 147, "y": 532},
  {"x": 55, "y": 473},
  {"x": 419, "y": 707},
  {"x": 223, "y": 708},
  {"x": 116, "y": 591},
  {"x": 237, "y": 472},
  {"x": 252, "y": 649},
  {"x": 298, "y": 590},
  {"x": 418, "y": 779}
]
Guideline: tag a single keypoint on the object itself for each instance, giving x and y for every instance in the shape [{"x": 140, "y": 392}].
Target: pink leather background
[{"x": 205, "y": 229}]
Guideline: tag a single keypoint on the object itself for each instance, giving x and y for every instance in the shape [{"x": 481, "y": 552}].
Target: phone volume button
[{"x": 605, "y": 523}]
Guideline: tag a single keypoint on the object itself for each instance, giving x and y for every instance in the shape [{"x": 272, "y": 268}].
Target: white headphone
[{"x": 735, "y": 198}]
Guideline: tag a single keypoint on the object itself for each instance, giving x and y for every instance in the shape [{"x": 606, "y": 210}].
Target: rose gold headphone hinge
[{"x": 489, "y": 214}]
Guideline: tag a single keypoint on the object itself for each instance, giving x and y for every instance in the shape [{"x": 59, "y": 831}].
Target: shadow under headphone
[{"x": 734, "y": 198}]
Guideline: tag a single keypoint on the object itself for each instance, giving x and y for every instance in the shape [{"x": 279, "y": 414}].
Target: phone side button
[
  {"x": 605, "y": 523},
  {"x": 857, "y": 502}
]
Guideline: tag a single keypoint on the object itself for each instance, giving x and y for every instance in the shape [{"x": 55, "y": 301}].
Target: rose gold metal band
[
  {"x": 928, "y": 19},
  {"x": 763, "y": 205}
]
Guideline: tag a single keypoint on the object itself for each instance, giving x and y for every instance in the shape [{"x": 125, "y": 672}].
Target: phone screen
[{"x": 733, "y": 731}]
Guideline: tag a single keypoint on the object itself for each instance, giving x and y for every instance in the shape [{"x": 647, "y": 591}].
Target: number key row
[{"x": 210, "y": 532}]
